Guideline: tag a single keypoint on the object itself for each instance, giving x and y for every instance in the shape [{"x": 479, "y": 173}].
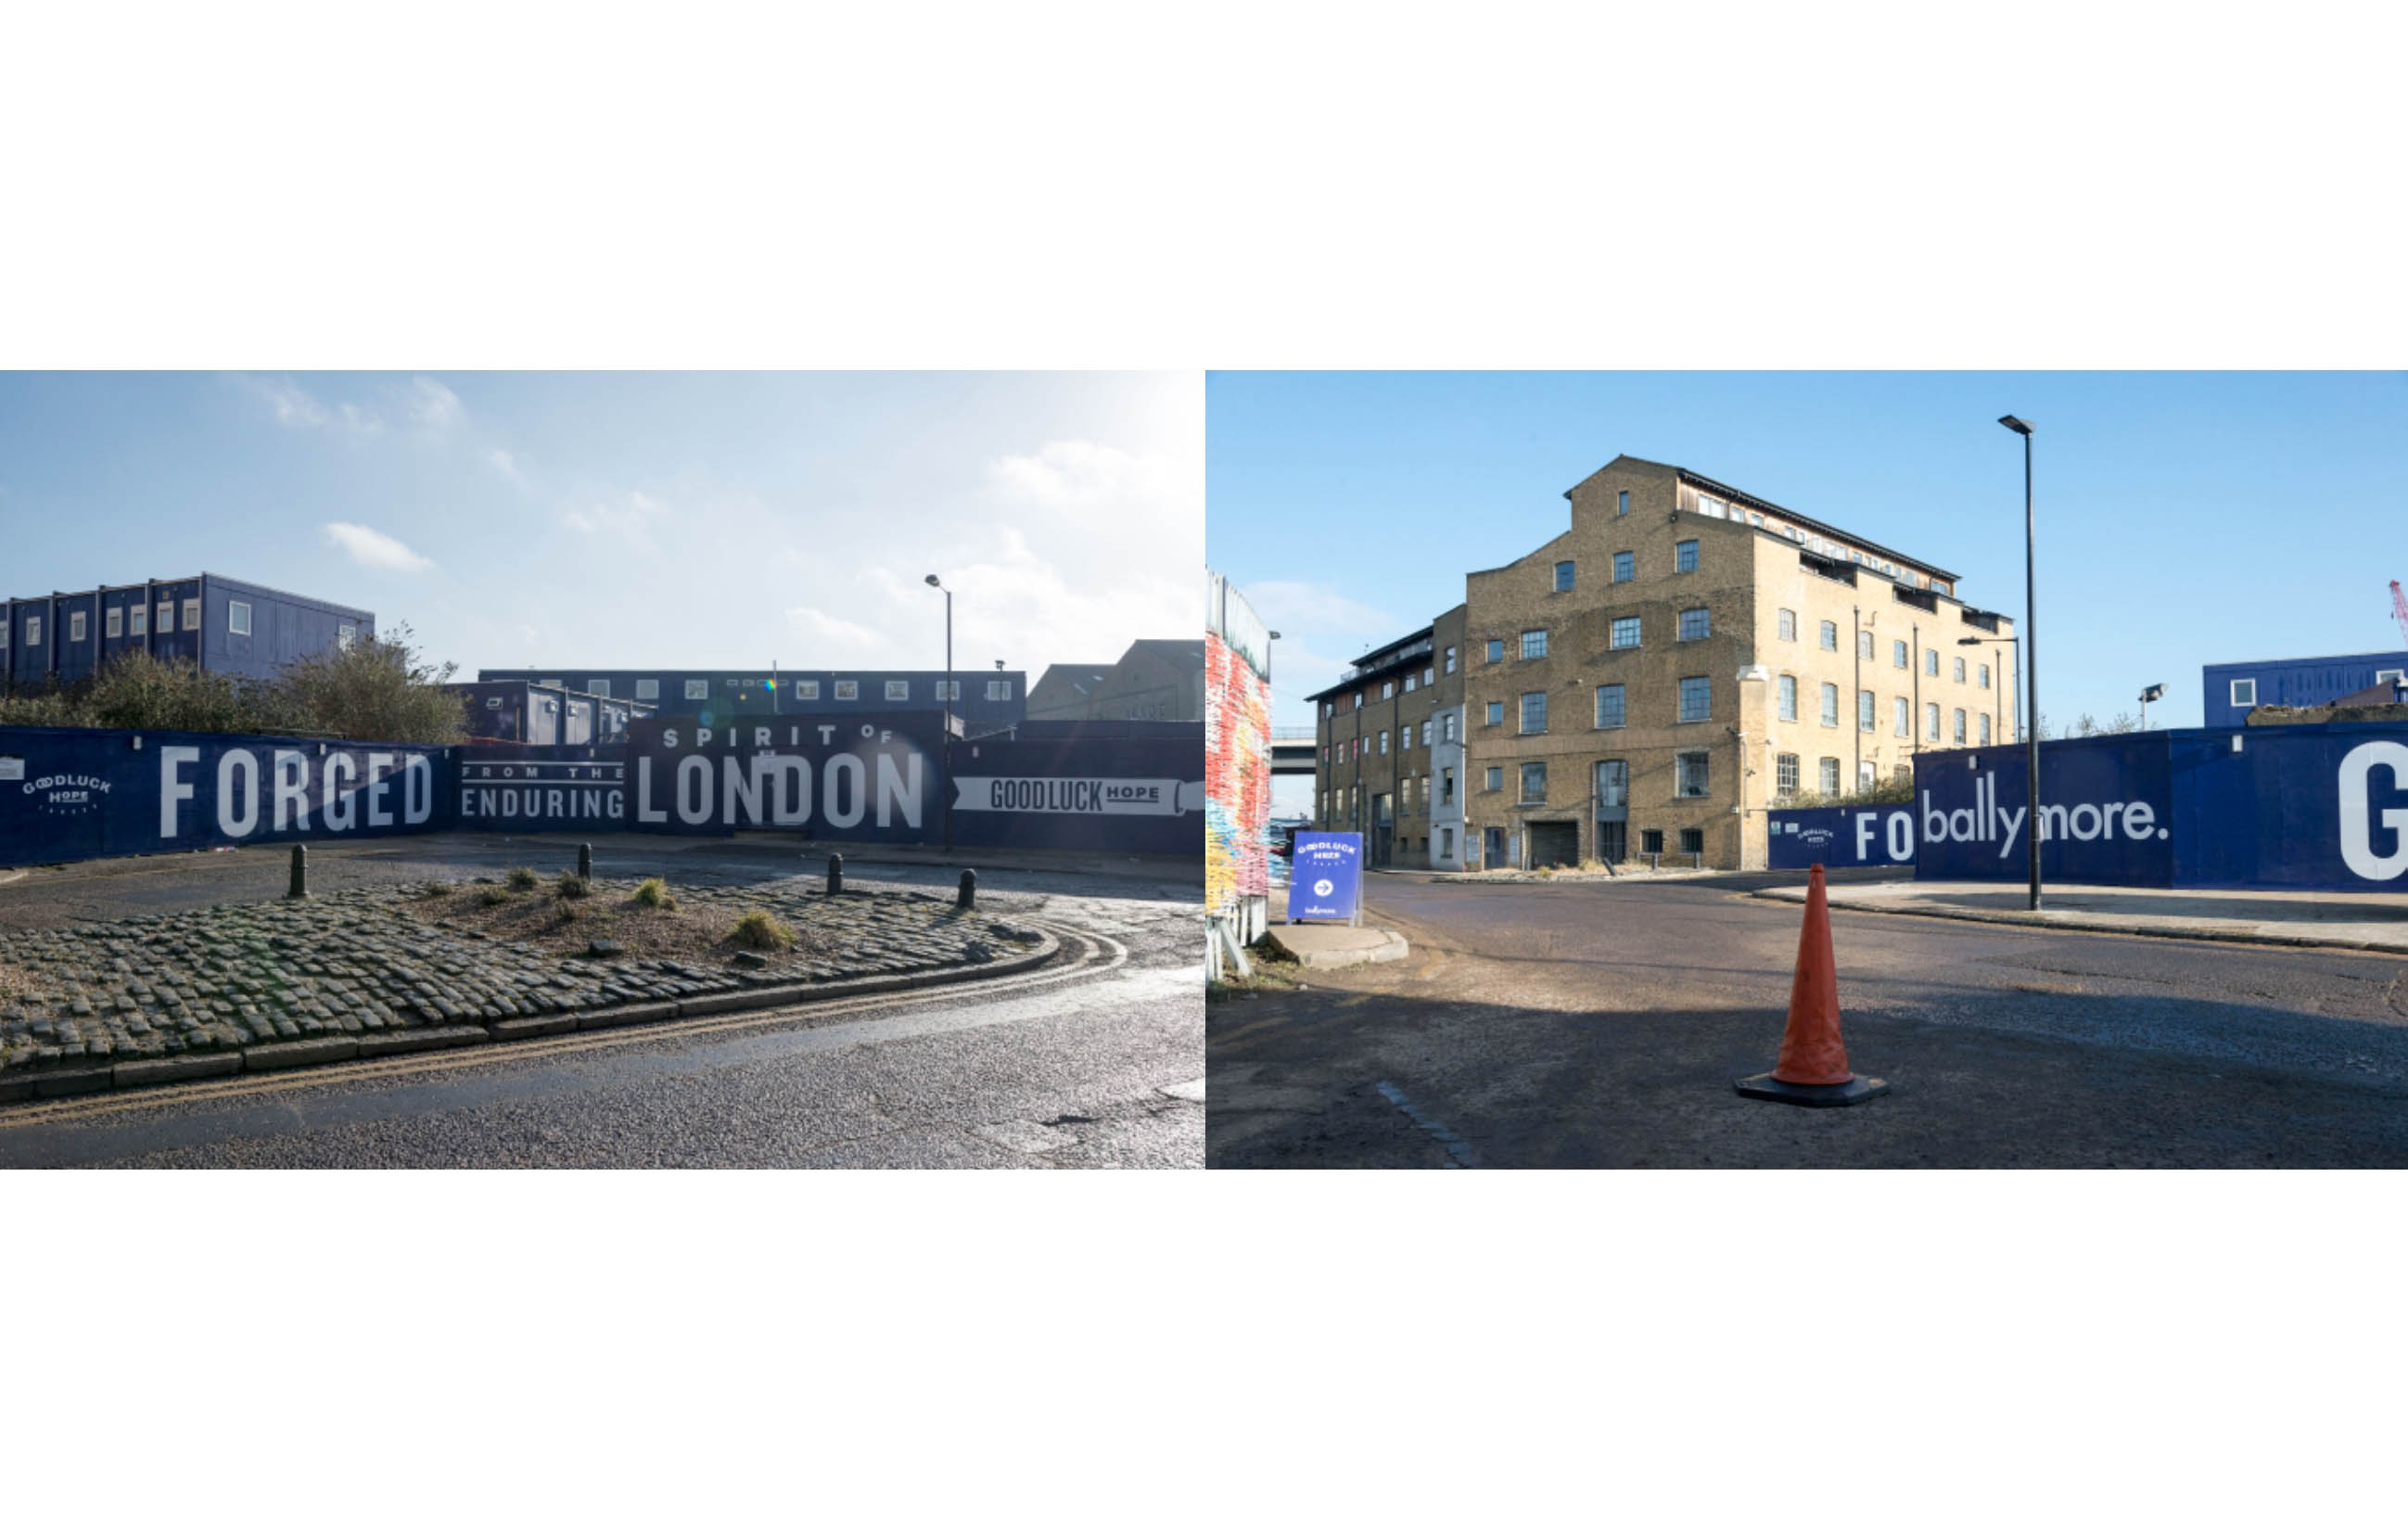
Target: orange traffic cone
[{"x": 1813, "y": 1066}]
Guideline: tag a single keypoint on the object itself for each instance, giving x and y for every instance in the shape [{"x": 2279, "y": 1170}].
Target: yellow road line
[{"x": 244, "y": 1084}]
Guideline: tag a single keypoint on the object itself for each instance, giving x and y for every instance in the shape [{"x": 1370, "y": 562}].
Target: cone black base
[{"x": 1838, "y": 1096}]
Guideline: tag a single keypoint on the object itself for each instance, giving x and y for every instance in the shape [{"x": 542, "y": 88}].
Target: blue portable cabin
[
  {"x": 2229, "y": 691},
  {"x": 219, "y": 624},
  {"x": 990, "y": 700},
  {"x": 531, "y": 714}
]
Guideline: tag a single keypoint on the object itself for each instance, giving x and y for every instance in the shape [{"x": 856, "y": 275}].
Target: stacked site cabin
[
  {"x": 2229, "y": 691},
  {"x": 218, "y": 623},
  {"x": 984, "y": 701},
  {"x": 533, "y": 714}
]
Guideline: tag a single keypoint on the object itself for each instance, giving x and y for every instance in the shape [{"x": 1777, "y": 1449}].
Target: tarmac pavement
[{"x": 2374, "y": 921}]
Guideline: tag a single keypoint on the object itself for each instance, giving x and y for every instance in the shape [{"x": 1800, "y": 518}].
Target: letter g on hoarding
[{"x": 2357, "y": 845}]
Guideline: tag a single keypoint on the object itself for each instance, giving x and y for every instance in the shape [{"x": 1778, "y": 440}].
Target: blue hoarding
[
  {"x": 843, "y": 778},
  {"x": 1106, "y": 791},
  {"x": 1840, "y": 837},
  {"x": 1326, "y": 880},
  {"x": 2107, "y": 812},
  {"x": 68, "y": 794},
  {"x": 522, "y": 789}
]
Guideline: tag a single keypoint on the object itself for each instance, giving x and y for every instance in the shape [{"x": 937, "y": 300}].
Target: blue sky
[
  {"x": 635, "y": 519},
  {"x": 2184, "y": 518}
]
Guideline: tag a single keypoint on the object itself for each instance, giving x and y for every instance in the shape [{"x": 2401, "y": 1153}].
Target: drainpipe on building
[{"x": 1914, "y": 658}]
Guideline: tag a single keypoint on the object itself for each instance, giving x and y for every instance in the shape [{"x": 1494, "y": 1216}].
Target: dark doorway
[
  {"x": 1613, "y": 840},
  {"x": 1553, "y": 843},
  {"x": 1492, "y": 847}
]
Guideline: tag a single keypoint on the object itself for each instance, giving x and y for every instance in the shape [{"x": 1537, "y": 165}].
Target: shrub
[
  {"x": 492, "y": 896},
  {"x": 565, "y": 909},
  {"x": 520, "y": 878},
  {"x": 436, "y": 887},
  {"x": 760, "y": 930},
  {"x": 575, "y": 886},
  {"x": 655, "y": 892},
  {"x": 378, "y": 689}
]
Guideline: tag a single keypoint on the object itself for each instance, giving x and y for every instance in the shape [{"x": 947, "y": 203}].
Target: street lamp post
[
  {"x": 2150, "y": 695},
  {"x": 2031, "y": 665},
  {"x": 948, "y": 716}
]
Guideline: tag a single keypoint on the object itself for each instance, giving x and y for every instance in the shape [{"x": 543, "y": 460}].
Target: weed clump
[
  {"x": 574, "y": 886},
  {"x": 520, "y": 878},
  {"x": 760, "y": 930},
  {"x": 654, "y": 893},
  {"x": 491, "y": 896}
]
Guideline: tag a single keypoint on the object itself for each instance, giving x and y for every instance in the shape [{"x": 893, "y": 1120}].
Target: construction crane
[{"x": 2400, "y": 610}]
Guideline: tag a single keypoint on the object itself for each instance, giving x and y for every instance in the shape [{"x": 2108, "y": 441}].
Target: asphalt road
[
  {"x": 1602, "y": 1026},
  {"x": 1095, "y": 1063}
]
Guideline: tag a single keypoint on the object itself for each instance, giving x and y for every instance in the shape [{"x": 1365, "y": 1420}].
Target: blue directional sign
[{"x": 1326, "y": 880}]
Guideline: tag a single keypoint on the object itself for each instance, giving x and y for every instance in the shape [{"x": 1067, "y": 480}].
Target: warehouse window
[
  {"x": 1563, "y": 575},
  {"x": 1384, "y": 743},
  {"x": 1864, "y": 644},
  {"x": 549, "y": 681},
  {"x": 1388, "y": 689},
  {"x": 899, "y": 693},
  {"x": 1412, "y": 682},
  {"x": 1830, "y": 775},
  {"x": 1931, "y": 722},
  {"x": 191, "y": 615},
  {"x": 697, "y": 687},
  {"x": 1898, "y": 653},
  {"x": 114, "y": 625},
  {"x": 1534, "y": 784},
  {"x": 238, "y": 618},
  {"x": 33, "y": 629},
  {"x": 167, "y": 618},
  {"x": 2244, "y": 690},
  {"x": 1496, "y": 778},
  {"x": 1865, "y": 711},
  {"x": 947, "y": 691},
  {"x": 1626, "y": 565},
  {"x": 139, "y": 616},
  {"x": 1622, "y": 504},
  {"x": 75, "y": 628},
  {"x": 1450, "y": 660},
  {"x": 647, "y": 689},
  {"x": 1785, "y": 694},
  {"x": 1902, "y": 725},
  {"x": 1496, "y": 651},
  {"x": 598, "y": 686},
  {"x": 1696, "y": 624},
  {"x": 1359, "y": 700},
  {"x": 346, "y": 634},
  {"x": 1788, "y": 625},
  {"x": 1609, "y": 707},
  {"x": 848, "y": 692},
  {"x": 1693, "y": 840},
  {"x": 1831, "y": 703},
  {"x": 1626, "y": 634},
  {"x": 1496, "y": 711},
  {"x": 1534, "y": 645},
  {"x": 1982, "y": 734},
  {"x": 1931, "y": 663},
  {"x": 1960, "y": 723},
  {"x": 999, "y": 692},
  {"x": 1651, "y": 841},
  {"x": 1784, "y": 773},
  {"x": 1684, "y": 554},
  {"x": 1959, "y": 668},
  {"x": 1691, "y": 768},
  {"x": 1534, "y": 713},
  {"x": 1830, "y": 635},
  {"x": 1328, "y": 710},
  {"x": 1697, "y": 698}
]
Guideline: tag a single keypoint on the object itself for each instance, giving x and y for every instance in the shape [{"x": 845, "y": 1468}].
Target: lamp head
[
  {"x": 2016, "y": 424},
  {"x": 933, "y": 582}
]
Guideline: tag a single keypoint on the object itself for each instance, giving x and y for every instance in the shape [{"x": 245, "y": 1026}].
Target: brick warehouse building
[
  {"x": 1388, "y": 752},
  {"x": 218, "y": 623},
  {"x": 1683, "y": 658}
]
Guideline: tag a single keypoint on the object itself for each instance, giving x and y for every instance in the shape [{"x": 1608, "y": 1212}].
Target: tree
[{"x": 377, "y": 689}]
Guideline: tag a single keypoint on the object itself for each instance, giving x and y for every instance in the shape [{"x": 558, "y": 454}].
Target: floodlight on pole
[{"x": 2031, "y": 665}]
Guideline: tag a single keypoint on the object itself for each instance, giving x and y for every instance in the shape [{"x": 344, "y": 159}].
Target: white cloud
[
  {"x": 295, "y": 407},
  {"x": 1084, "y": 474},
  {"x": 629, "y": 515},
  {"x": 433, "y": 408},
  {"x": 1299, "y": 606},
  {"x": 507, "y": 466},
  {"x": 377, "y": 550},
  {"x": 836, "y": 641}
]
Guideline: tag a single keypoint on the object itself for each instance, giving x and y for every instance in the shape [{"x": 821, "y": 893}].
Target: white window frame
[
  {"x": 1828, "y": 636},
  {"x": 1495, "y": 781},
  {"x": 167, "y": 624},
  {"x": 1525, "y": 714},
  {"x": 808, "y": 690},
  {"x": 33, "y": 631},
  {"x": 1829, "y": 775},
  {"x": 1784, "y": 697},
  {"x": 345, "y": 636},
  {"x": 1705, "y": 625},
  {"x": 1830, "y": 700},
  {"x": 998, "y": 691},
  {"x": 241, "y": 610},
  {"x": 113, "y": 625},
  {"x": 1626, "y": 565},
  {"x": 1897, "y": 655},
  {"x": 1613, "y": 634},
  {"x": 1680, "y": 789},
  {"x": 848, "y": 691},
  {"x": 1496, "y": 711},
  {"x": 1534, "y": 645},
  {"x": 1450, "y": 660},
  {"x": 1785, "y": 623},
  {"x": 76, "y": 627},
  {"x": 191, "y": 615},
  {"x": 1705, "y": 713},
  {"x": 1621, "y": 707},
  {"x": 696, "y": 690},
  {"x": 598, "y": 686},
  {"x": 2240, "y": 702},
  {"x": 647, "y": 690},
  {"x": 1784, "y": 773},
  {"x": 2390, "y": 674},
  {"x": 137, "y": 619},
  {"x": 1931, "y": 722},
  {"x": 899, "y": 690}
]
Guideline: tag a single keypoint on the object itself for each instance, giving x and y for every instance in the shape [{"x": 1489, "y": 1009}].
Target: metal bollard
[
  {"x": 300, "y": 891},
  {"x": 1696, "y": 860},
  {"x": 585, "y": 860},
  {"x": 836, "y": 874},
  {"x": 1654, "y": 863},
  {"x": 968, "y": 896}
]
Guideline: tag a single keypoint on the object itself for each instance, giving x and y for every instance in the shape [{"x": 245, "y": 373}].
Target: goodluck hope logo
[
  {"x": 2357, "y": 833},
  {"x": 68, "y": 794}
]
